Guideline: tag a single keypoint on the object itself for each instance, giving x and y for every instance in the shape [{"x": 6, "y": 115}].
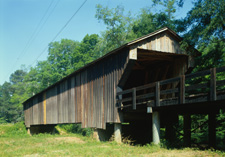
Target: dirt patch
[
  {"x": 2, "y": 132},
  {"x": 32, "y": 155},
  {"x": 70, "y": 139}
]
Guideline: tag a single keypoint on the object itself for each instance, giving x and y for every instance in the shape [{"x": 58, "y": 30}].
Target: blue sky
[{"x": 23, "y": 36}]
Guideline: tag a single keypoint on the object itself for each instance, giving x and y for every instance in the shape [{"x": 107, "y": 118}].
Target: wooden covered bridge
[{"x": 142, "y": 83}]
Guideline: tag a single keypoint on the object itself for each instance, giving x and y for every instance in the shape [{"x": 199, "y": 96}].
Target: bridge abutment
[{"x": 112, "y": 130}]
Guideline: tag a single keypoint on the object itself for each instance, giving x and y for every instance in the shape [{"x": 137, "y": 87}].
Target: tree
[
  {"x": 5, "y": 96},
  {"x": 205, "y": 30},
  {"x": 118, "y": 28},
  {"x": 148, "y": 22},
  {"x": 17, "y": 76}
]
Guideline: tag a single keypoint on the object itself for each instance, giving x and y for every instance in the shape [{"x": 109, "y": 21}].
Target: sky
[{"x": 28, "y": 26}]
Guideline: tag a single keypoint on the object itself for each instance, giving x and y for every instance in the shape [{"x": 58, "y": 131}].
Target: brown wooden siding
[{"x": 87, "y": 97}]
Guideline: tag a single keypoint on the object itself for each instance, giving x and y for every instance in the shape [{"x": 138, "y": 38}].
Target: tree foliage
[{"x": 205, "y": 29}]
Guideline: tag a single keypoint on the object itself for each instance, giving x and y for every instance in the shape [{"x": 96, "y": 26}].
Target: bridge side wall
[{"x": 87, "y": 97}]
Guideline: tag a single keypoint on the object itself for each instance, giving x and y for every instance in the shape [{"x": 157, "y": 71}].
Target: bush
[
  {"x": 76, "y": 128},
  {"x": 17, "y": 129}
]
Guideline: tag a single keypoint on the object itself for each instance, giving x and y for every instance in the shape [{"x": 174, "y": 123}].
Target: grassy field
[{"x": 15, "y": 142}]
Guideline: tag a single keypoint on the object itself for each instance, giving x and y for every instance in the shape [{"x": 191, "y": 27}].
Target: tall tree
[
  {"x": 205, "y": 25},
  {"x": 5, "y": 96},
  {"x": 148, "y": 22},
  {"x": 118, "y": 27}
]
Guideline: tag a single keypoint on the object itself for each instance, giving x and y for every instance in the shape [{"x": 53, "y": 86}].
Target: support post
[
  {"x": 212, "y": 130},
  {"x": 187, "y": 130},
  {"x": 95, "y": 135},
  {"x": 213, "y": 84},
  {"x": 28, "y": 131},
  {"x": 170, "y": 123},
  {"x": 117, "y": 132},
  {"x": 134, "y": 98},
  {"x": 157, "y": 94},
  {"x": 182, "y": 90},
  {"x": 155, "y": 128}
]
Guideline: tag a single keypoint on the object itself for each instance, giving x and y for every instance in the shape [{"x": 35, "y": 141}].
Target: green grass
[{"x": 15, "y": 142}]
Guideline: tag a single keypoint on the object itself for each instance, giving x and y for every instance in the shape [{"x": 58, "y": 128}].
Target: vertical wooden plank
[
  {"x": 54, "y": 106},
  {"x": 103, "y": 97},
  {"x": 76, "y": 105},
  {"x": 82, "y": 97},
  {"x": 59, "y": 111},
  {"x": 157, "y": 94},
  {"x": 65, "y": 104},
  {"x": 35, "y": 110},
  {"x": 39, "y": 109},
  {"x": 158, "y": 42},
  {"x": 98, "y": 97},
  {"x": 182, "y": 90},
  {"x": 89, "y": 96},
  {"x": 162, "y": 42},
  {"x": 134, "y": 98},
  {"x": 61, "y": 103},
  {"x": 69, "y": 100},
  {"x": 28, "y": 113},
  {"x": 110, "y": 91},
  {"x": 85, "y": 99},
  {"x": 78, "y": 92},
  {"x": 213, "y": 84},
  {"x": 153, "y": 42},
  {"x": 48, "y": 106},
  {"x": 92, "y": 105},
  {"x": 44, "y": 106},
  {"x": 107, "y": 91},
  {"x": 30, "y": 104},
  {"x": 72, "y": 100}
]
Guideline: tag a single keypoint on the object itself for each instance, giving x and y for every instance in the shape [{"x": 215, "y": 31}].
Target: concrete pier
[
  {"x": 155, "y": 127},
  {"x": 117, "y": 132}
]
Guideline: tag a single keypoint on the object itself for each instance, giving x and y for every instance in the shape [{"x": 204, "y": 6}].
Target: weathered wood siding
[
  {"x": 161, "y": 42},
  {"x": 87, "y": 97}
]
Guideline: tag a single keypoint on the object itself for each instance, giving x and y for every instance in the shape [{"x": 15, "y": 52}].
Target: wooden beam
[
  {"x": 134, "y": 98},
  {"x": 182, "y": 90},
  {"x": 157, "y": 94},
  {"x": 212, "y": 129},
  {"x": 213, "y": 84},
  {"x": 126, "y": 73},
  {"x": 187, "y": 130},
  {"x": 44, "y": 103}
]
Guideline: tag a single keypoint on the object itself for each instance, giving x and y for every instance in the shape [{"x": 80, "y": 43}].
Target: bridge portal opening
[{"x": 150, "y": 66}]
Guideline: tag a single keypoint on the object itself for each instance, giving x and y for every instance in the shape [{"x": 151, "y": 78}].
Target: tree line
[{"x": 202, "y": 28}]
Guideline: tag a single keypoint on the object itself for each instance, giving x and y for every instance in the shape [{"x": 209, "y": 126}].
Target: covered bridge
[{"x": 89, "y": 95}]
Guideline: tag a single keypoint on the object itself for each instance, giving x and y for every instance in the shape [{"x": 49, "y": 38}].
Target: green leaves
[
  {"x": 206, "y": 31},
  {"x": 118, "y": 28}
]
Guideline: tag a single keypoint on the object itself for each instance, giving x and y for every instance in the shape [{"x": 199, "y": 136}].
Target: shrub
[
  {"x": 76, "y": 128},
  {"x": 17, "y": 129}
]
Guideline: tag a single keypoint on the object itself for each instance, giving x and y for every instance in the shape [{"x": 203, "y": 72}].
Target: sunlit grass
[{"x": 78, "y": 145}]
